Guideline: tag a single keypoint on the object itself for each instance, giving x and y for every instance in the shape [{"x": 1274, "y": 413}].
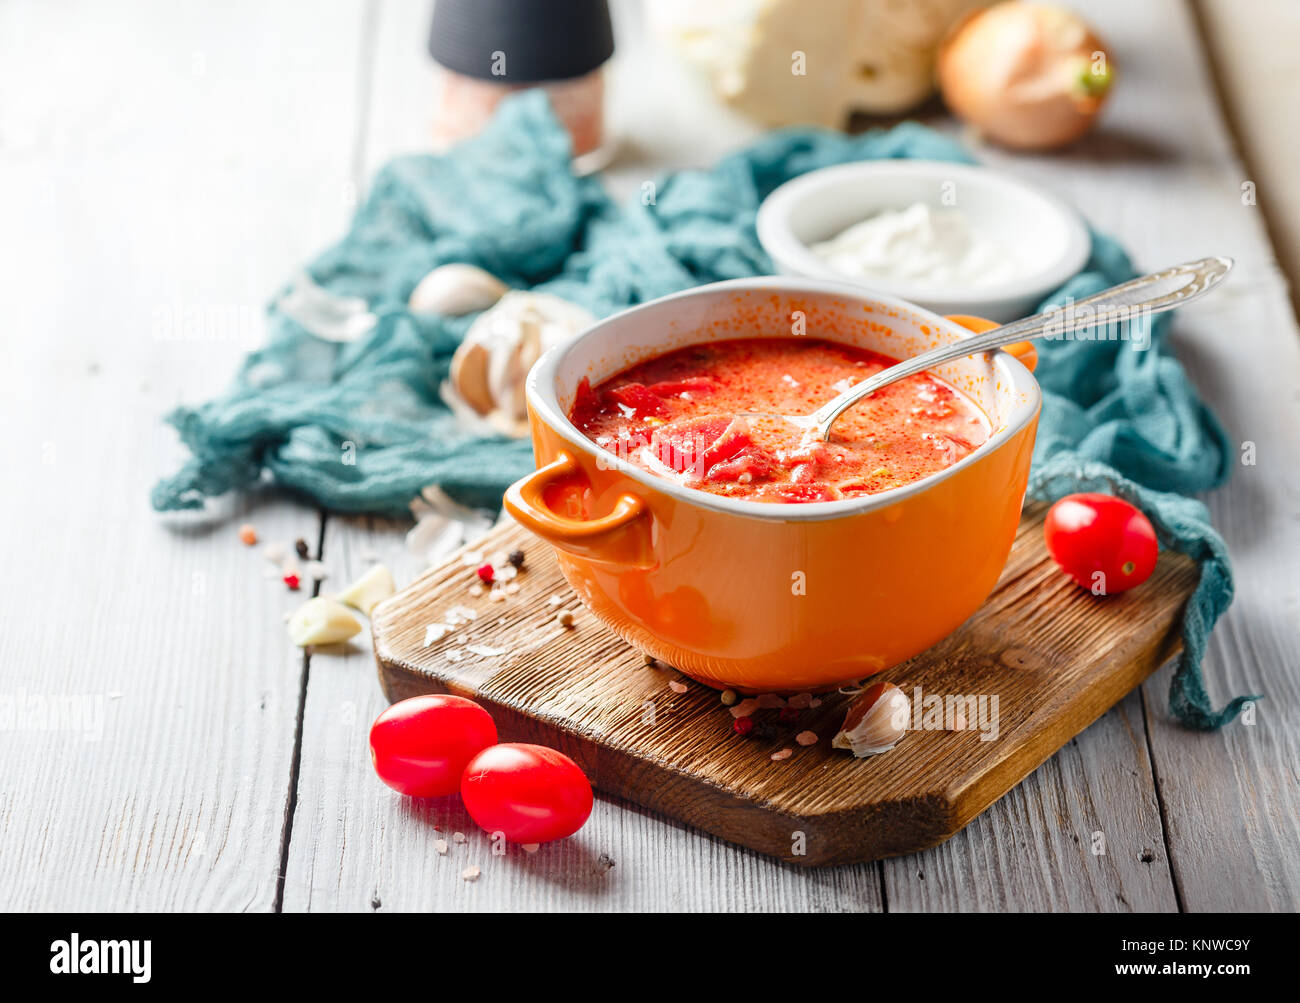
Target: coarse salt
[
  {"x": 677, "y": 687},
  {"x": 470, "y": 873},
  {"x": 436, "y": 632},
  {"x": 800, "y": 700},
  {"x": 441, "y": 846},
  {"x": 806, "y": 738},
  {"x": 783, "y": 754},
  {"x": 745, "y": 708},
  {"x": 484, "y": 650}
]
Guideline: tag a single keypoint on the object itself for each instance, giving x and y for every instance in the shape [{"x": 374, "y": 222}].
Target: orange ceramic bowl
[{"x": 770, "y": 597}]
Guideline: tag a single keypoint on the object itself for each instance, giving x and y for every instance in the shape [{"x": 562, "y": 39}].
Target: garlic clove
[
  {"x": 322, "y": 621},
  {"x": 456, "y": 289},
  {"x": 876, "y": 721},
  {"x": 486, "y": 385},
  {"x": 369, "y": 590}
]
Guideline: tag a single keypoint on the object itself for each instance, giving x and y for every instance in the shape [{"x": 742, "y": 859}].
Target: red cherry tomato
[
  {"x": 420, "y": 746},
  {"x": 1102, "y": 542},
  {"x": 530, "y": 793}
]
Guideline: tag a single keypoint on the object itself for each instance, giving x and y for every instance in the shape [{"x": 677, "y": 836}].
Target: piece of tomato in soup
[{"x": 701, "y": 416}]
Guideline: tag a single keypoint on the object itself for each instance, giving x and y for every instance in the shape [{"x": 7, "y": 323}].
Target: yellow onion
[{"x": 1026, "y": 76}]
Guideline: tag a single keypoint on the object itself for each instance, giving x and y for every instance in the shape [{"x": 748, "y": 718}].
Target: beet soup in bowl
[{"x": 727, "y": 581}]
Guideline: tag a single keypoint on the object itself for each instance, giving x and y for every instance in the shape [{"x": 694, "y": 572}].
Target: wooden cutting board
[{"x": 1055, "y": 657}]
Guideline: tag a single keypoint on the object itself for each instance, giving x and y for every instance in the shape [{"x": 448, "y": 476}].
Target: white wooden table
[{"x": 163, "y": 168}]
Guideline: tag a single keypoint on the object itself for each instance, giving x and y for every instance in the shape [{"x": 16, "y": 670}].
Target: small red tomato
[
  {"x": 420, "y": 746},
  {"x": 1102, "y": 542},
  {"x": 528, "y": 792}
]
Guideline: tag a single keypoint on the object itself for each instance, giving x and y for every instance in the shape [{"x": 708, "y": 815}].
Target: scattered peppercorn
[
  {"x": 729, "y": 698},
  {"x": 742, "y": 725},
  {"x": 485, "y": 573},
  {"x": 564, "y": 618},
  {"x": 765, "y": 730},
  {"x": 248, "y": 534},
  {"x": 648, "y": 658},
  {"x": 301, "y": 546},
  {"x": 788, "y": 714},
  {"x": 515, "y": 559},
  {"x": 293, "y": 582}
]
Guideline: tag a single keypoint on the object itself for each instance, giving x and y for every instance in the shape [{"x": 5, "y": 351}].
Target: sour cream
[{"x": 920, "y": 246}]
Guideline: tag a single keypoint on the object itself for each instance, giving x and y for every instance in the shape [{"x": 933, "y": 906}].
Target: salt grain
[
  {"x": 316, "y": 571},
  {"x": 459, "y": 837},
  {"x": 555, "y": 600},
  {"x": 745, "y": 708},
  {"x": 484, "y": 650},
  {"x": 435, "y": 632},
  {"x": 770, "y": 701},
  {"x": 476, "y": 590},
  {"x": 677, "y": 687},
  {"x": 454, "y": 655},
  {"x": 441, "y": 846},
  {"x": 806, "y": 738},
  {"x": 470, "y": 873},
  {"x": 511, "y": 588},
  {"x": 783, "y": 754},
  {"x": 532, "y": 847},
  {"x": 800, "y": 700},
  {"x": 815, "y": 702}
]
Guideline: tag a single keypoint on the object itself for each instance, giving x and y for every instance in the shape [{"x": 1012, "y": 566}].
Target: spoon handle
[{"x": 1132, "y": 301}]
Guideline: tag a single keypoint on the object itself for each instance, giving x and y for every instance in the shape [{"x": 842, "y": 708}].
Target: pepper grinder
[{"x": 488, "y": 49}]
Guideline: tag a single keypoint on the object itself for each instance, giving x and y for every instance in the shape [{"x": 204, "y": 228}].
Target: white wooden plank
[
  {"x": 1162, "y": 175},
  {"x": 160, "y": 165}
]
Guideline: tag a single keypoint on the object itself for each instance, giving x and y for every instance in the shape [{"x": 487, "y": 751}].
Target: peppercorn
[
  {"x": 515, "y": 559},
  {"x": 301, "y": 546},
  {"x": 788, "y": 714},
  {"x": 742, "y": 725},
  {"x": 293, "y": 582},
  {"x": 485, "y": 574},
  {"x": 765, "y": 730}
]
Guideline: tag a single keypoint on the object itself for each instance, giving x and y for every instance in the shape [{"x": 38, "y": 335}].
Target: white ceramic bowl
[{"x": 1047, "y": 239}]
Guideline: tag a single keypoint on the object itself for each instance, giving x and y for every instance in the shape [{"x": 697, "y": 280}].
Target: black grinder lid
[{"x": 540, "y": 39}]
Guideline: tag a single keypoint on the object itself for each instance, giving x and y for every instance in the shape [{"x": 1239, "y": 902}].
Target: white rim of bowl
[
  {"x": 545, "y": 402},
  {"x": 780, "y": 243}
]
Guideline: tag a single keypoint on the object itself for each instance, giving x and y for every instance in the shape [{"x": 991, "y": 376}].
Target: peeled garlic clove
[
  {"x": 372, "y": 588},
  {"x": 321, "y": 621},
  {"x": 456, "y": 289},
  {"x": 875, "y": 721}
]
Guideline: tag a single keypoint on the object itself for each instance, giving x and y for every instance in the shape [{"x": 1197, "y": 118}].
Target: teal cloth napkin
[{"x": 1114, "y": 418}]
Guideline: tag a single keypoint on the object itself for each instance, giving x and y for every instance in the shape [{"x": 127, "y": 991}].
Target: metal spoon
[{"x": 1150, "y": 294}]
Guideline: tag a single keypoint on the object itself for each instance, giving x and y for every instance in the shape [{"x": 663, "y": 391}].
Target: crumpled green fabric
[{"x": 359, "y": 427}]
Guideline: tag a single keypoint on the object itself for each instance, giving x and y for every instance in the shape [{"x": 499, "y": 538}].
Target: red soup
[{"x": 695, "y": 415}]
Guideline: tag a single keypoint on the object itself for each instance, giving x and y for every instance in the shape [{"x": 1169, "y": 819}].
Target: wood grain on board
[{"x": 1052, "y": 657}]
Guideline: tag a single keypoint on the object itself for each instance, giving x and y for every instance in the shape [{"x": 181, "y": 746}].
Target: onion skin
[{"x": 1021, "y": 74}]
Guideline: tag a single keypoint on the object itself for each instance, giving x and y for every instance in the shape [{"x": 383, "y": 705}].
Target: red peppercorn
[
  {"x": 486, "y": 574},
  {"x": 789, "y": 714},
  {"x": 293, "y": 582},
  {"x": 742, "y": 725}
]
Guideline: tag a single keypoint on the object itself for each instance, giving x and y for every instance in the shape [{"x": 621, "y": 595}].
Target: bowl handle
[
  {"x": 622, "y": 536},
  {"x": 1022, "y": 350}
]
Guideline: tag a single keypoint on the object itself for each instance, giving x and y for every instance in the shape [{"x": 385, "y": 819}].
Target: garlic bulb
[
  {"x": 456, "y": 289},
  {"x": 875, "y": 721},
  {"x": 488, "y": 370},
  {"x": 1026, "y": 76}
]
